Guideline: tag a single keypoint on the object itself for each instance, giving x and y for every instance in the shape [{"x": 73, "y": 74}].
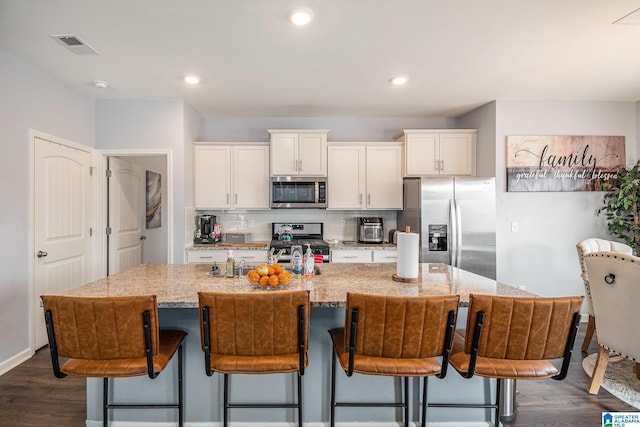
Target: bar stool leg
[
  {"x": 299, "y": 400},
  {"x": 180, "y": 389},
  {"x": 332, "y": 417},
  {"x": 423, "y": 420},
  {"x": 405, "y": 401},
  {"x": 105, "y": 402},
  {"x": 225, "y": 417}
]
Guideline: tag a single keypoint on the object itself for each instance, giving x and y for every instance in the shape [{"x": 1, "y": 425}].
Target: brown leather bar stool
[
  {"x": 255, "y": 333},
  {"x": 109, "y": 338},
  {"x": 393, "y": 336},
  {"x": 515, "y": 338}
]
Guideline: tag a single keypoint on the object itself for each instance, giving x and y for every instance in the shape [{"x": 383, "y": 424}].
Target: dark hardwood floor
[{"x": 31, "y": 396}]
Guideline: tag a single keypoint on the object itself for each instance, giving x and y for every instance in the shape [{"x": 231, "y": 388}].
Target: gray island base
[{"x": 176, "y": 287}]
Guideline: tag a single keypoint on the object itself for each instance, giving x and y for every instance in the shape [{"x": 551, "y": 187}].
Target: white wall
[
  {"x": 155, "y": 245},
  {"x": 542, "y": 255},
  {"x": 149, "y": 125},
  {"x": 29, "y": 100}
]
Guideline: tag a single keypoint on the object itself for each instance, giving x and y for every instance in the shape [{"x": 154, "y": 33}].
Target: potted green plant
[{"x": 621, "y": 206}]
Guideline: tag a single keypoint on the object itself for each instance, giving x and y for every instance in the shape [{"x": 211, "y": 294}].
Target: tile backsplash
[{"x": 338, "y": 225}]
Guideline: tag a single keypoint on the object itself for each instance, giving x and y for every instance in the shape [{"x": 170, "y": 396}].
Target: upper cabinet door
[
  {"x": 457, "y": 153},
  {"x": 251, "y": 177},
  {"x": 346, "y": 177},
  {"x": 284, "y": 154},
  {"x": 212, "y": 176},
  {"x": 312, "y": 154},
  {"x": 384, "y": 177},
  {"x": 422, "y": 154}
]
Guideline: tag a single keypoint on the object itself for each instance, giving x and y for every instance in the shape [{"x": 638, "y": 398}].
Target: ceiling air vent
[{"x": 75, "y": 44}]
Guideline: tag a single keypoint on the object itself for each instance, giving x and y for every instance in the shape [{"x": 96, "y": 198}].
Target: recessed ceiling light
[
  {"x": 100, "y": 84},
  {"x": 301, "y": 16},
  {"x": 192, "y": 79},
  {"x": 399, "y": 80}
]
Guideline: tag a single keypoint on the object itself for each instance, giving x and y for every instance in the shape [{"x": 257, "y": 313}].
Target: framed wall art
[
  {"x": 563, "y": 162},
  {"x": 154, "y": 199}
]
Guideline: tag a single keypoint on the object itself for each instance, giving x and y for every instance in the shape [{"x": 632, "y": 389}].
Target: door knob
[
  {"x": 143, "y": 237},
  {"x": 41, "y": 254}
]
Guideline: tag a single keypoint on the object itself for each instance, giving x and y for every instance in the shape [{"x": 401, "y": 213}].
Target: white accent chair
[
  {"x": 585, "y": 247},
  {"x": 615, "y": 292}
]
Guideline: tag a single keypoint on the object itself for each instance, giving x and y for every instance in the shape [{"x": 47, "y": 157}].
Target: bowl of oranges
[{"x": 272, "y": 276}]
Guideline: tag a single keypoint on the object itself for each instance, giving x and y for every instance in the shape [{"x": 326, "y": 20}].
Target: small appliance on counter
[
  {"x": 207, "y": 231},
  {"x": 370, "y": 230}
]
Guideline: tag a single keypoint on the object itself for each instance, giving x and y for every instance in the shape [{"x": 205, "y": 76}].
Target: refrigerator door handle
[
  {"x": 453, "y": 252},
  {"x": 458, "y": 235}
]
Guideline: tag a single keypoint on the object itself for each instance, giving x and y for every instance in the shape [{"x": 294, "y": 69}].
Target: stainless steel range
[{"x": 287, "y": 234}]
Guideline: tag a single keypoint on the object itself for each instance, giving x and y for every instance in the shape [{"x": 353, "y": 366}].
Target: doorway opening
[{"x": 125, "y": 227}]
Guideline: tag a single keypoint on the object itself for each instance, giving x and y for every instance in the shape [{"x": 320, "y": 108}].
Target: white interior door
[
  {"x": 62, "y": 240},
  {"x": 126, "y": 214}
]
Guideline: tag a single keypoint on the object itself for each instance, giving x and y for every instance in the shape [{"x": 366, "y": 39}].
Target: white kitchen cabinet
[
  {"x": 231, "y": 176},
  {"x": 351, "y": 256},
  {"x": 346, "y": 256},
  {"x": 385, "y": 255},
  {"x": 299, "y": 152},
  {"x": 219, "y": 256},
  {"x": 364, "y": 177},
  {"x": 438, "y": 151}
]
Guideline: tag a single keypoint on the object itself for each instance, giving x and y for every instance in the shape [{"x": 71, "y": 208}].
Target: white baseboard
[{"x": 14, "y": 361}]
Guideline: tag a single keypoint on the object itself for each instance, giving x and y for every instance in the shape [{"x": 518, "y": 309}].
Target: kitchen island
[{"x": 176, "y": 287}]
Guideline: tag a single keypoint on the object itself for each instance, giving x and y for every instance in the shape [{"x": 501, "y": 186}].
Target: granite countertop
[{"x": 177, "y": 285}]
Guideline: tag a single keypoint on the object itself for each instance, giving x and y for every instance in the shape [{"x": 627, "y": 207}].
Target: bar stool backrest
[
  {"x": 255, "y": 324},
  {"x": 522, "y": 328},
  {"x": 399, "y": 327},
  {"x": 102, "y": 328}
]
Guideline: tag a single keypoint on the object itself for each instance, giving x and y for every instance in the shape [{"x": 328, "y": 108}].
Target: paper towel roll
[{"x": 407, "y": 266}]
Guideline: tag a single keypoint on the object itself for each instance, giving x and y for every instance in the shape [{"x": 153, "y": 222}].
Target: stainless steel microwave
[{"x": 295, "y": 192}]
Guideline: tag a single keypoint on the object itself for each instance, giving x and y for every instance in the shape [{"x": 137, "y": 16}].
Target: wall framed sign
[
  {"x": 154, "y": 199},
  {"x": 563, "y": 163}
]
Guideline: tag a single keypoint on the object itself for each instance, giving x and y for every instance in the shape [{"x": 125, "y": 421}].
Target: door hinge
[
  {"x": 91, "y": 170},
  {"x": 90, "y": 231},
  {"x": 108, "y": 231},
  {"x": 108, "y": 172}
]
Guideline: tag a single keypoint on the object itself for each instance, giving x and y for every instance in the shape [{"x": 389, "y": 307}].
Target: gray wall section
[
  {"x": 542, "y": 255},
  {"x": 30, "y": 100},
  {"x": 149, "y": 125}
]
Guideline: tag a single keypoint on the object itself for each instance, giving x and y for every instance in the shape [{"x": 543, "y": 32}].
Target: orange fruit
[
  {"x": 264, "y": 280},
  {"x": 253, "y": 276},
  {"x": 272, "y": 271},
  {"x": 284, "y": 278},
  {"x": 263, "y": 270},
  {"x": 273, "y": 280}
]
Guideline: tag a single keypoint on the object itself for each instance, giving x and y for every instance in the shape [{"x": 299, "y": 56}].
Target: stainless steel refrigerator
[{"x": 456, "y": 219}]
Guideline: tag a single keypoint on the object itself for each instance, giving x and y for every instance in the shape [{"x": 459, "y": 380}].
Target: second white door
[{"x": 126, "y": 214}]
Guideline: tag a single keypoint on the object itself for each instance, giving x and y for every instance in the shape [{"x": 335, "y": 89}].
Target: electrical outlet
[
  {"x": 343, "y": 223},
  {"x": 514, "y": 227}
]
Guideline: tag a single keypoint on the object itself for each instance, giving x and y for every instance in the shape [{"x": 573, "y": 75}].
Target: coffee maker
[{"x": 207, "y": 231}]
